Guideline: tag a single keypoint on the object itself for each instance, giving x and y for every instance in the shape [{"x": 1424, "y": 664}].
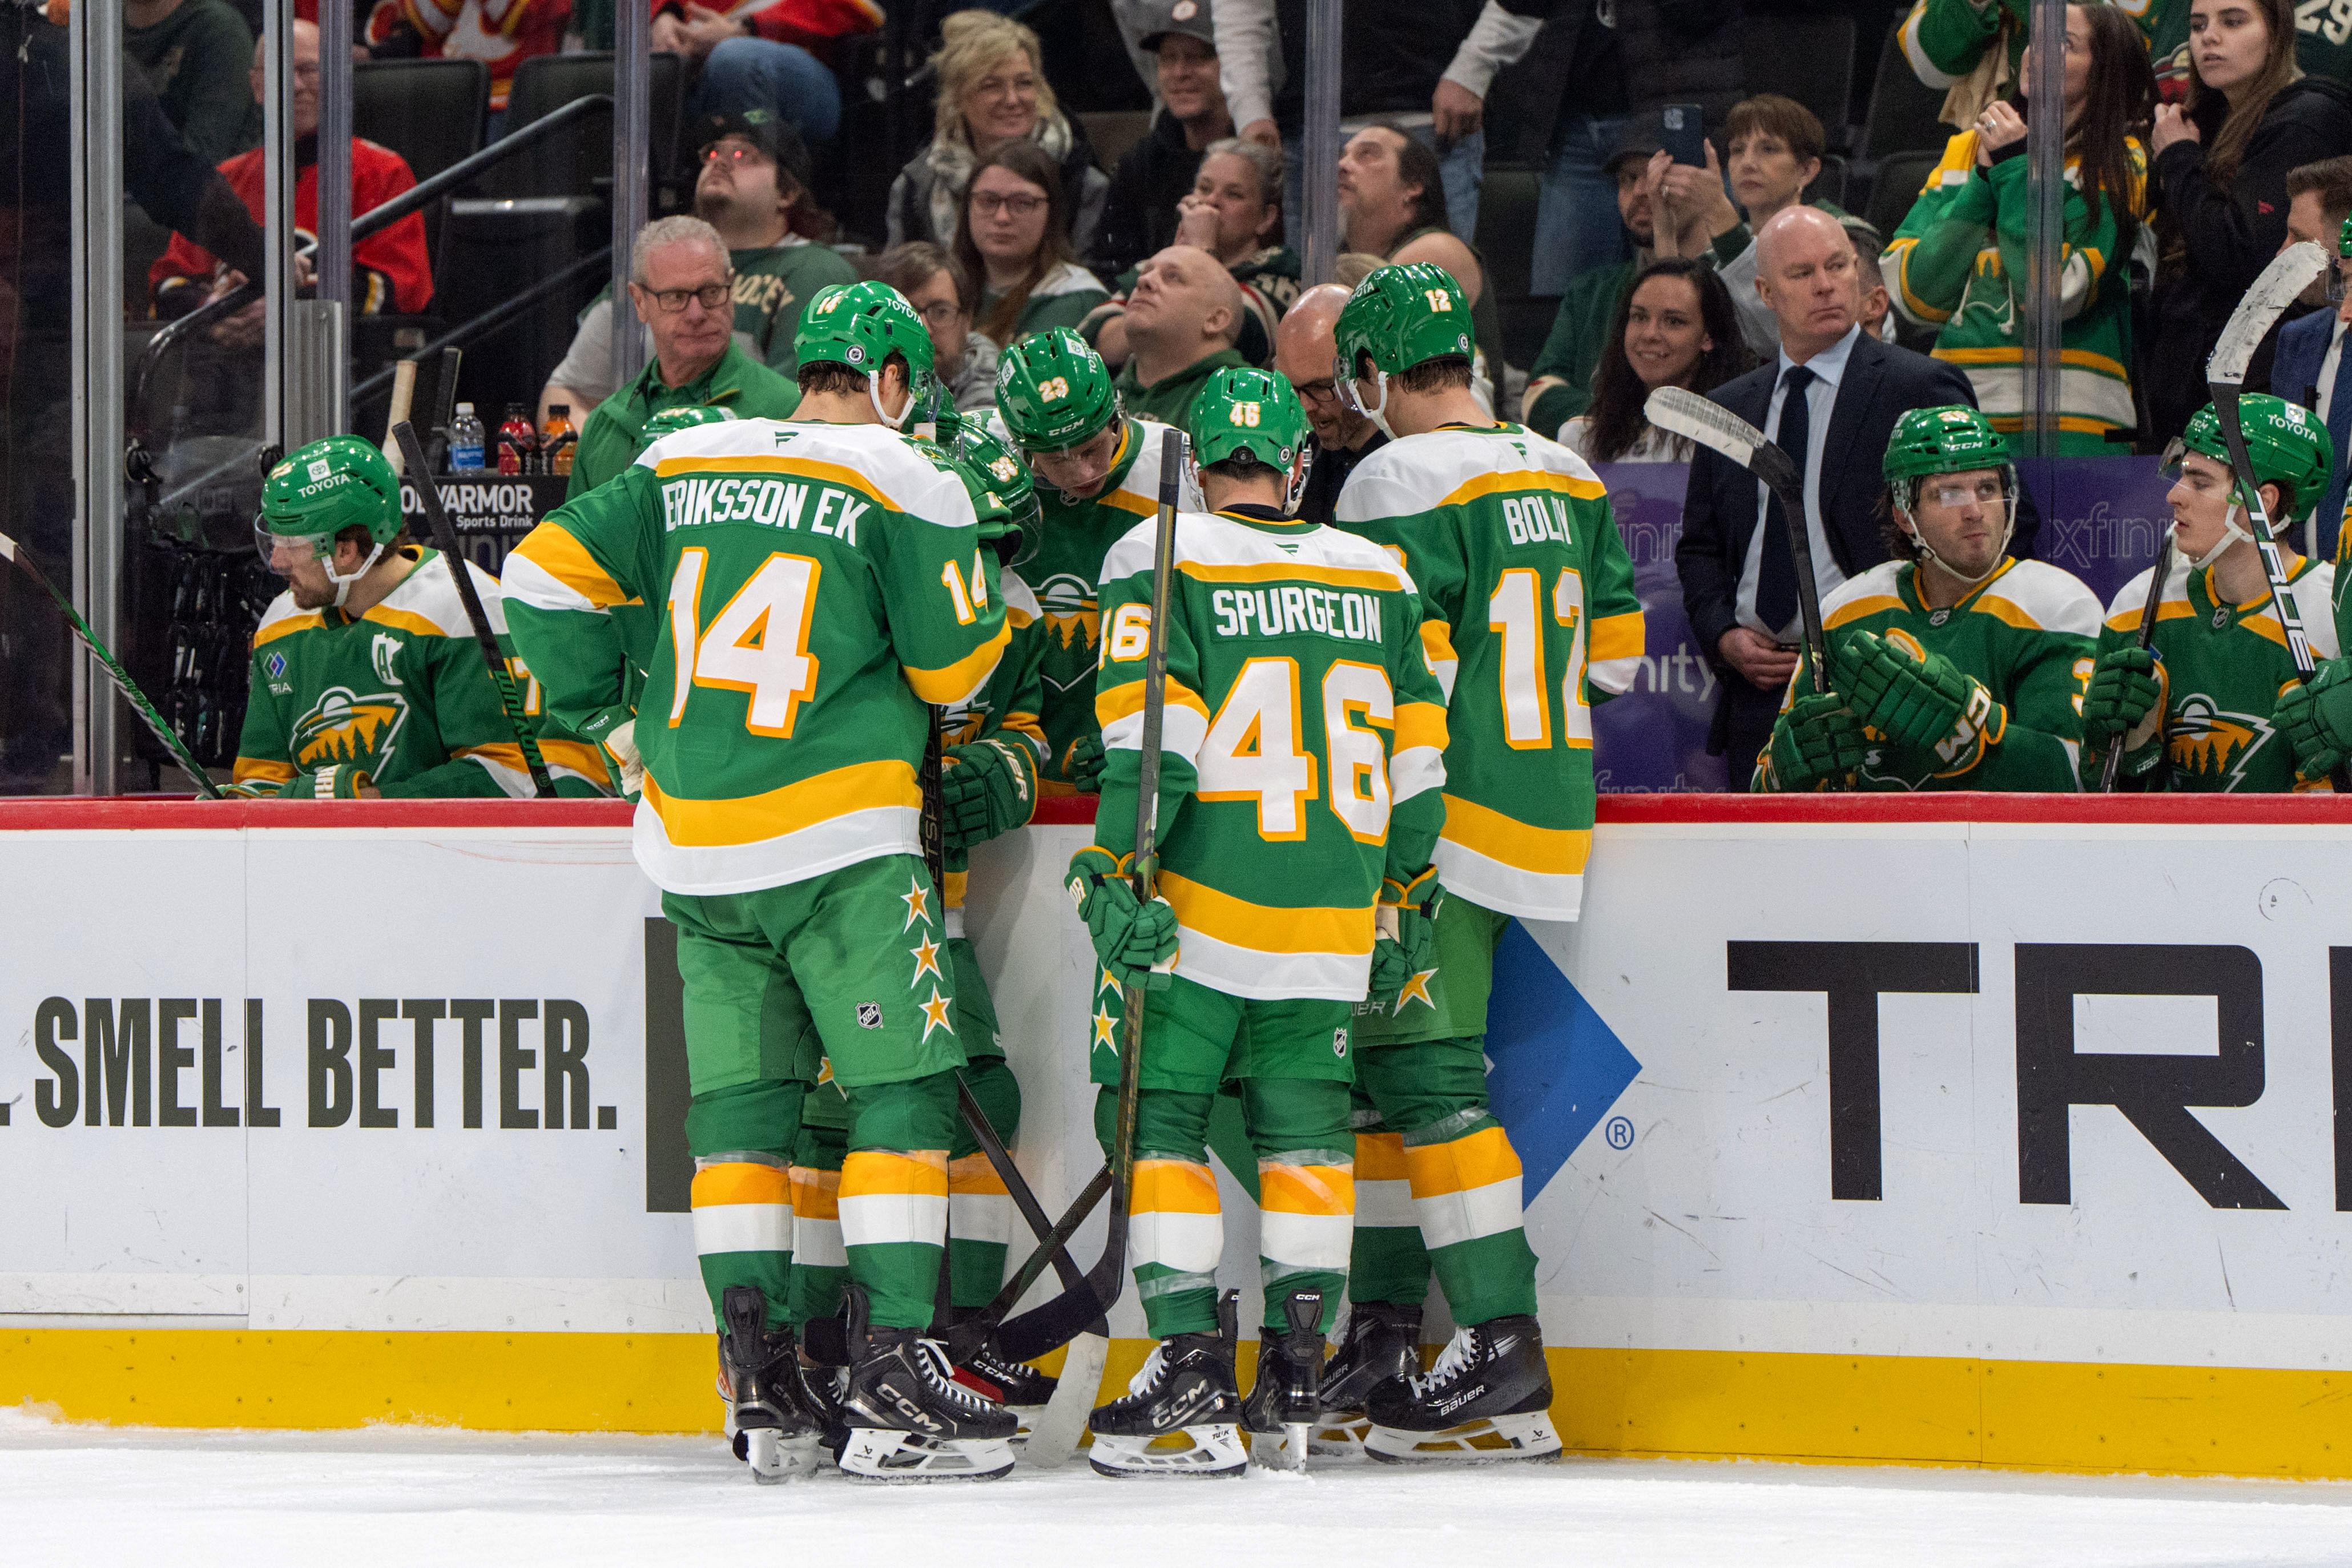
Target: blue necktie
[{"x": 1776, "y": 575}]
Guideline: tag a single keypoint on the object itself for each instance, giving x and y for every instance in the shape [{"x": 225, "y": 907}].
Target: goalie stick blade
[
  {"x": 1054, "y": 1435},
  {"x": 2290, "y": 272}
]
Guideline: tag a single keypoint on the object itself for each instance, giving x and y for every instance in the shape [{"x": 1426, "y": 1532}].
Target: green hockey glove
[
  {"x": 1818, "y": 739},
  {"x": 2317, "y": 718},
  {"x": 987, "y": 787},
  {"x": 2125, "y": 697},
  {"x": 336, "y": 782},
  {"x": 1136, "y": 941},
  {"x": 1918, "y": 702},
  {"x": 1405, "y": 926},
  {"x": 1082, "y": 765},
  {"x": 621, "y": 759}
]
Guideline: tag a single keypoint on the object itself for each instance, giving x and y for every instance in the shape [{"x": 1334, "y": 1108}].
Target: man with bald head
[
  {"x": 1830, "y": 400},
  {"x": 1182, "y": 322},
  {"x": 1304, "y": 351}
]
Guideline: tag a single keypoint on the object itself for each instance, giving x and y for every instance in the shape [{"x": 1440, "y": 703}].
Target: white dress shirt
[{"x": 1821, "y": 399}]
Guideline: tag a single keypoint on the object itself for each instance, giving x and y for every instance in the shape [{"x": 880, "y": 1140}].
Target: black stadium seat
[
  {"x": 578, "y": 162},
  {"x": 1809, "y": 59},
  {"x": 1900, "y": 179}
]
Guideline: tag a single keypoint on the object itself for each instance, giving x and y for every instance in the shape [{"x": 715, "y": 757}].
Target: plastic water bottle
[{"x": 466, "y": 437}]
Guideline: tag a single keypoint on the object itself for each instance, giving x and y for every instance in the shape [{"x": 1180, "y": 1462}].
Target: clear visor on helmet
[
  {"x": 297, "y": 546},
  {"x": 1343, "y": 379}
]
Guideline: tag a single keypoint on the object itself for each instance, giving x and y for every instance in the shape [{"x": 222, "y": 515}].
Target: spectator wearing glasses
[
  {"x": 1140, "y": 211},
  {"x": 1306, "y": 348},
  {"x": 992, "y": 91},
  {"x": 2222, "y": 163},
  {"x": 1233, "y": 212},
  {"x": 1015, "y": 240},
  {"x": 1960, "y": 258},
  {"x": 942, "y": 294},
  {"x": 754, "y": 190},
  {"x": 682, "y": 287},
  {"x": 1676, "y": 327}
]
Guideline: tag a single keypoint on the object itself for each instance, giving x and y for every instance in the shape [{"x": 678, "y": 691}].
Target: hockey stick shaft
[
  {"x": 403, "y": 397},
  {"x": 2113, "y": 765},
  {"x": 115, "y": 672},
  {"x": 444, "y": 539},
  {"x": 1052, "y": 1248}
]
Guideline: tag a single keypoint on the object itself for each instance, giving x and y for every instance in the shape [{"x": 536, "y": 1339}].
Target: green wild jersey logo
[
  {"x": 344, "y": 726},
  {"x": 1068, "y": 602},
  {"x": 2209, "y": 741}
]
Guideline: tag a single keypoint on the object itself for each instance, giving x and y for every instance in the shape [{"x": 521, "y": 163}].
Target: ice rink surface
[{"x": 74, "y": 1494}]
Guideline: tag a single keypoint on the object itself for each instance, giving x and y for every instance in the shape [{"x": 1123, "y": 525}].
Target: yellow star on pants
[
  {"x": 926, "y": 958},
  {"x": 935, "y": 1013},
  {"x": 917, "y": 898},
  {"x": 1417, "y": 989},
  {"x": 1106, "y": 1027},
  {"x": 1109, "y": 982}
]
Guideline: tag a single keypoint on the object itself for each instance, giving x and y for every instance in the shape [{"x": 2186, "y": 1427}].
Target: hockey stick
[
  {"x": 2290, "y": 272},
  {"x": 1068, "y": 1314},
  {"x": 2113, "y": 765},
  {"x": 121, "y": 677},
  {"x": 1717, "y": 429},
  {"x": 403, "y": 395},
  {"x": 444, "y": 539}
]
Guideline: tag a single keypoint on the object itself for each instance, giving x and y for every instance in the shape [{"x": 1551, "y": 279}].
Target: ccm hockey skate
[
  {"x": 1487, "y": 1398},
  {"x": 1018, "y": 1387},
  {"x": 1177, "y": 1417},
  {"x": 1381, "y": 1343},
  {"x": 758, "y": 1369},
  {"x": 907, "y": 1419},
  {"x": 1283, "y": 1403}
]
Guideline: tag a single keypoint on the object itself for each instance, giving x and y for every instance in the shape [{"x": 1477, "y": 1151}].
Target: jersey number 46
[{"x": 1255, "y": 748}]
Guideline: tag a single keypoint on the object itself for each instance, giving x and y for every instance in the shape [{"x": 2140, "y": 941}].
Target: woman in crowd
[
  {"x": 943, "y": 294},
  {"x": 1013, "y": 239},
  {"x": 1235, "y": 212},
  {"x": 1960, "y": 262},
  {"x": 992, "y": 91},
  {"x": 1676, "y": 327},
  {"x": 2222, "y": 163}
]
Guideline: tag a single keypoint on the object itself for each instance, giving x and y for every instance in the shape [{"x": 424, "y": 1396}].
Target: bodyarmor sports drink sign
[{"x": 1850, "y": 1128}]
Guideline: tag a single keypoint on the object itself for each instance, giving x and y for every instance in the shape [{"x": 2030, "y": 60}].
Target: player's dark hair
[
  {"x": 357, "y": 536},
  {"x": 1891, "y": 532},
  {"x": 1434, "y": 375},
  {"x": 826, "y": 376},
  {"x": 1242, "y": 465}
]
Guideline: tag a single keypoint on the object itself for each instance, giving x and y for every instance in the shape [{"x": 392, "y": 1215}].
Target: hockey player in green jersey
[
  {"x": 1967, "y": 666},
  {"x": 1300, "y": 790},
  {"x": 822, "y": 583},
  {"x": 2204, "y": 711},
  {"x": 1529, "y": 616},
  {"x": 1094, "y": 469},
  {"x": 366, "y": 678}
]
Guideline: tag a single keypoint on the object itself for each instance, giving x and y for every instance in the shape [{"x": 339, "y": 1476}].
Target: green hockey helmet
[
  {"x": 859, "y": 325},
  {"x": 1952, "y": 439},
  {"x": 2286, "y": 445},
  {"x": 1399, "y": 317},
  {"x": 322, "y": 489},
  {"x": 1054, "y": 392},
  {"x": 2344, "y": 238},
  {"x": 1000, "y": 484},
  {"x": 1253, "y": 411},
  {"x": 670, "y": 421}
]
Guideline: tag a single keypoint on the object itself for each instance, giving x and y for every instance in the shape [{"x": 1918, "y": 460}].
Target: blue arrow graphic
[{"x": 1556, "y": 1067}]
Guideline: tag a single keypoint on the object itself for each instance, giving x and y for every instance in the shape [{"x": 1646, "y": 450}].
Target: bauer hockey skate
[
  {"x": 1178, "y": 1416},
  {"x": 908, "y": 1420},
  {"x": 759, "y": 1368},
  {"x": 1487, "y": 1398},
  {"x": 1283, "y": 1403},
  {"x": 1380, "y": 1344}
]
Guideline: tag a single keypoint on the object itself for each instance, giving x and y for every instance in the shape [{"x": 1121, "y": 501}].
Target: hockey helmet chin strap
[
  {"x": 343, "y": 584},
  {"x": 2231, "y": 534},
  {"x": 1927, "y": 552},
  {"x": 874, "y": 395},
  {"x": 1343, "y": 377}
]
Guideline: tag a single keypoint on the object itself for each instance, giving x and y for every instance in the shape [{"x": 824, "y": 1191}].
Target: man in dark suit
[
  {"x": 1831, "y": 400},
  {"x": 2311, "y": 366}
]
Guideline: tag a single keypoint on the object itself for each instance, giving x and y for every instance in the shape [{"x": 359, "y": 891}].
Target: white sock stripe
[
  {"x": 743, "y": 1228},
  {"x": 1295, "y": 1241},
  {"x": 980, "y": 1217},
  {"x": 1188, "y": 1243},
  {"x": 817, "y": 1243},
  {"x": 880, "y": 1218},
  {"x": 1385, "y": 1203},
  {"x": 1453, "y": 1216}
]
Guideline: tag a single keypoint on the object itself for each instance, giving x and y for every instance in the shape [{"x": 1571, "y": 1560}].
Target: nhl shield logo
[
  {"x": 870, "y": 1015},
  {"x": 1340, "y": 1041}
]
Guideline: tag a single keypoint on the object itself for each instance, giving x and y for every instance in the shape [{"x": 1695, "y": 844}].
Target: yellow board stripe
[
  {"x": 866, "y": 1173},
  {"x": 777, "y": 466},
  {"x": 1517, "y": 479},
  {"x": 552, "y": 548},
  {"x": 1305, "y": 1189},
  {"x": 1292, "y": 572},
  {"x": 741, "y": 1181},
  {"x": 1553, "y": 852},
  {"x": 1482, "y": 1159},
  {"x": 713, "y": 824},
  {"x": 1617, "y": 637},
  {"x": 1380, "y": 1156},
  {"x": 945, "y": 688},
  {"x": 1264, "y": 927},
  {"x": 1174, "y": 1186}
]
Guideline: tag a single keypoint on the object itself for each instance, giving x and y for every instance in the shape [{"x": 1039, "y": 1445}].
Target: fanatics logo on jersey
[{"x": 870, "y": 1015}]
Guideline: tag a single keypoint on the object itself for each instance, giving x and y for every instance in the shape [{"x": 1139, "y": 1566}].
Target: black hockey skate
[
  {"x": 1177, "y": 1417},
  {"x": 908, "y": 1420},
  {"x": 1016, "y": 1384},
  {"x": 775, "y": 1431},
  {"x": 1487, "y": 1398},
  {"x": 1284, "y": 1403},
  {"x": 1381, "y": 1343}
]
